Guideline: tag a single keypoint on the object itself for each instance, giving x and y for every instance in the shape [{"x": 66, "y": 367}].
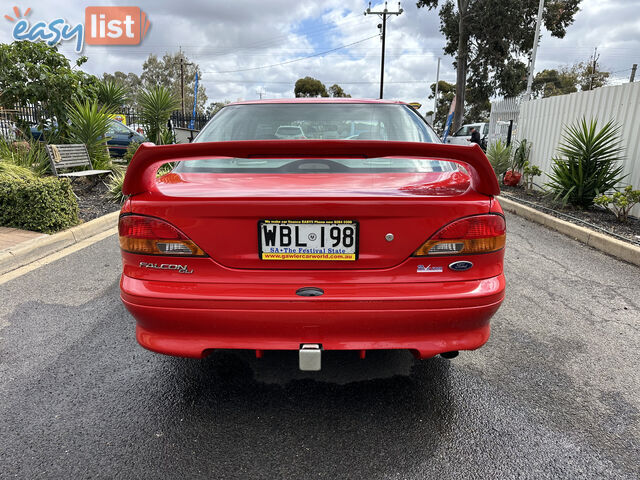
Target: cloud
[{"x": 243, "y": 35}]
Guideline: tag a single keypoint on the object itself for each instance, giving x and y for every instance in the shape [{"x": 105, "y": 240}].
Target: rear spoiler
[{"x": 141, "y": 174}]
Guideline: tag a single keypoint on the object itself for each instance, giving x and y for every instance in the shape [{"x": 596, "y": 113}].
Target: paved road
[{"x": 554, "y": 394}]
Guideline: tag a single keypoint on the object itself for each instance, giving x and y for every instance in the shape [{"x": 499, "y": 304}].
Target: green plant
[
  {"x": 131, "y": 150},
  {"x": 89, "y": 125},
  {"x": 499, "y": 155},
  {"x": 34, "y": 73},
  {"x": 521, "y": 155},
  {"x": 111, "y": 94},
  {"x": 115, "y": 182},
  {"x": 619, "y": 203},
  {"x": 157, "y": 103},
  {"x": 16, "y": 172},
  {"x": 39, "y": 204},
  {"x": 529, "y": 172},
  {"x": 28, "y": 154},
  {"x": 589, "y": 164}
]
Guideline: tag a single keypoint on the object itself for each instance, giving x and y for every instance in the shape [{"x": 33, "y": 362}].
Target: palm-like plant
[
  {"x": 89, "y": 125},
  {"x": 499, "y": 155},
  {"x": 590, "y": 162},
  {"x": 157, "y": 104},
  {"x": 111, "y": 94}
]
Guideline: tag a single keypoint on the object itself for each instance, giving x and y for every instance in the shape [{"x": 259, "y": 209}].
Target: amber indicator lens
[
  {"x": 152, "y": 236},
  {"x": 469, "y": 235}
]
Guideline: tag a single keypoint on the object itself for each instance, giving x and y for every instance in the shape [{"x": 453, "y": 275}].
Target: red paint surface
[{"x": 235, "y": 300}]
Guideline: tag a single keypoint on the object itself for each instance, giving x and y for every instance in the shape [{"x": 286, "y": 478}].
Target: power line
[{"x": 295, "y": 59}]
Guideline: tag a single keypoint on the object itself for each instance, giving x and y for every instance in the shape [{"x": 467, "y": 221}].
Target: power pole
[
  {"x": 532, "y": 63},
  {"x": 383, "y": 14},
  {"x": 182, "y": 82},
  {"x": 435, "y": 99},
  {"x": 633, "y": 72},
  {"x": 593, "y": 69}
]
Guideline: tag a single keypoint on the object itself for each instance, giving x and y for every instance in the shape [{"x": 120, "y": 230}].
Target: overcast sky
[{"x": 230, "y": 39}]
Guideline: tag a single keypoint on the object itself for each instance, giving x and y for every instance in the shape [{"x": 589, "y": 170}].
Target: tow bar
[{"x": 310, "y": 356}]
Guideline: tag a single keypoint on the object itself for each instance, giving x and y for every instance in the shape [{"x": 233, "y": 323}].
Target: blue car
[{"x": 120, "y": 136}]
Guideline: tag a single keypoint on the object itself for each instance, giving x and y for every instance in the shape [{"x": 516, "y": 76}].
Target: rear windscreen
[{"x": 330, "y": 121}]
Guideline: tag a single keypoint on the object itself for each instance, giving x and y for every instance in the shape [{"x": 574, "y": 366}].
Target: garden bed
[
  {"x": 93, "y": 199},
  {"x": 595, "y": 217}
]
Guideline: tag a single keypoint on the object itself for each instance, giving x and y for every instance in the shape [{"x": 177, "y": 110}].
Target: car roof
[{"x": 318, "y": 100}]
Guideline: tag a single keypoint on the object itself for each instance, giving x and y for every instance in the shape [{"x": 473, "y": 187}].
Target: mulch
[
  {"x": 93, "y": 200},
  {"x": 595, "y": 217}
]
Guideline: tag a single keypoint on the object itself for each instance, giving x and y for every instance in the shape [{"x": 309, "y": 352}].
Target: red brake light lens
[
  {"x": 152, "y": 236},
  {"x": 470, "y": 235}
]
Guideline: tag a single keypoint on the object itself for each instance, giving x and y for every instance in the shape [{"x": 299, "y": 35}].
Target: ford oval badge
[{"x": 461, "y": 266}]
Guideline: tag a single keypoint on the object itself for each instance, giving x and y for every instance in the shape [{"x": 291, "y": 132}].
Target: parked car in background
[
  {"x": 289, "y": 132},
  {"x": 120, "y": 138},
  {"x": 312, "y": 245},
  {"x": 463, "y": 135}
]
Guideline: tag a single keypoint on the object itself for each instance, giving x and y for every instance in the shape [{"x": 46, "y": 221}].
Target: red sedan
[{"x": 365, "y": 233}]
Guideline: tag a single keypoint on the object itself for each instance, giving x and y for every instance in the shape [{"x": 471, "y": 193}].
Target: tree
[
  {"x": 130, "y": 81},
  {"x": 166, "y": 72},
  {"x": 336, "y": 90},
  {"x": 590, "y": 76},
  {"x": 488, "y": 38},
  {"x": 310, "y": 87},
  {"x": 549, "y": 83},
  {"x": 215, "y": 107},
  {"x": 569, "y": 79},
  {"x": 34, "y": 73},
  {"x": 446, "y": 92}
]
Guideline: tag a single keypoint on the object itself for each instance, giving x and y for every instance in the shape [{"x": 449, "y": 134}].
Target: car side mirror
[{"x": 131, "y": 134}]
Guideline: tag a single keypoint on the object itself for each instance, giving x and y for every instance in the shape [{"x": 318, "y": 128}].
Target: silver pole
[
  {"x": 532, "y": 64},
  {"x": 435, "y": 99}
]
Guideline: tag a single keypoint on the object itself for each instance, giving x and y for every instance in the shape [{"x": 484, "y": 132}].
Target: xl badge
[
  {"x": 167, "y": 266},
  {"x": 429, "y": 269}
]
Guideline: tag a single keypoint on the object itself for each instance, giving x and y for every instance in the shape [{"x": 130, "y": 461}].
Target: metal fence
[
  {"x": 14, "y": 122},
  {"x": 504, "y": 117},
  {"x": 541, "y": 122}
]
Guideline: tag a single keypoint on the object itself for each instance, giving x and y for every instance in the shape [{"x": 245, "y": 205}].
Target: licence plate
[{"x": 319, "y": 240}]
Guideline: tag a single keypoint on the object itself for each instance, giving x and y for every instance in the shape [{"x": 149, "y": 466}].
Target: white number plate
[{"x": 308, "y": 240}]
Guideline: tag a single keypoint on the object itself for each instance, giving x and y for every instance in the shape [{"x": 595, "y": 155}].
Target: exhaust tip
[{"x": 449, "y": 355}]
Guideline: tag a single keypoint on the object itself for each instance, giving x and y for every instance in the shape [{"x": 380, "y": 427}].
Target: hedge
[{"x": 44, "y": 204}]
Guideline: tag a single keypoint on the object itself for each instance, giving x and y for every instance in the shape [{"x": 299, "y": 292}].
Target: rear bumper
[{"x": 191, "y": 319}]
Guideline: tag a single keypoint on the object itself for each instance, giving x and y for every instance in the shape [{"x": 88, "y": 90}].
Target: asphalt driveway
[{"x": 554, "y": 394}]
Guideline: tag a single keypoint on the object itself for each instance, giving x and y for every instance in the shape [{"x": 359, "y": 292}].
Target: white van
[{"x": 463, "y": 135}]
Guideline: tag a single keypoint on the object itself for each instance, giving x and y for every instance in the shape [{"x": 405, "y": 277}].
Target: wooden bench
[{"x": 64, "y": 157}]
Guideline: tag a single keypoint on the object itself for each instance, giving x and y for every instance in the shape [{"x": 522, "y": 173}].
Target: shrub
[
  {"x": 10, "y": 170},
  {"x": 31, "y": 155},
  {"x": 620, "y": 203},
  {"x": 521, "y": 155},
  {"x": 131, "y": 150},
  {"x": 499, "y": 155},
  {"x": 39, "y": 204},
  {"x": 529, "y": 172},
  {"x": 589, "y": 163},
  {"x": 157, "y": 103},
  {"x": 111, "y": 94},
  {"x": 89, "y": 125},
  {"x": 115, "y": 182}
]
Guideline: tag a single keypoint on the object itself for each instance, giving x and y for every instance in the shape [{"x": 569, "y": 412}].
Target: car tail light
[
  {"x": 152, "y": 236},
  {"x": 477, "y": 234}
]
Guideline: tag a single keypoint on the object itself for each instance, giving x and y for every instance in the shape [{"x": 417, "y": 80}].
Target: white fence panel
[
  {"x": 502, "y": 112},
  {"x": 541, "y": 122}
]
